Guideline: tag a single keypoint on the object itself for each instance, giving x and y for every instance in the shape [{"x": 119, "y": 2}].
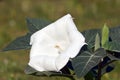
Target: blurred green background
[{"x": 87, "y": 13}]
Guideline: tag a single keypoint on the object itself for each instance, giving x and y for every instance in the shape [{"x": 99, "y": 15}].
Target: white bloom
[{"x": 54, "y": 45}]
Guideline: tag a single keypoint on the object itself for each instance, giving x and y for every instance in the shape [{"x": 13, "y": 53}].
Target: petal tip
[{"x": 69, "y": 15}]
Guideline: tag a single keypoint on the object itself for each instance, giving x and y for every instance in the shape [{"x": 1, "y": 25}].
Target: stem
[
  {"x": 100, "y": 67},
  {"x": 108, "y": 63},
  {"x": 99, "y": 71}
]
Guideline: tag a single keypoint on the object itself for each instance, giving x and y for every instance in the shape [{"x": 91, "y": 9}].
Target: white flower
[{"x": 54, "y": 45}]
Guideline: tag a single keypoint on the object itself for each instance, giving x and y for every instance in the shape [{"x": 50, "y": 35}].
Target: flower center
[{"x": 59, "y": 48}]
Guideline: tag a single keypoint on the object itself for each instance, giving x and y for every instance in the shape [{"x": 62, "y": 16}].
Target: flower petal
[
  {"x": 43, "y": 45},
  {"x": 61, "y": 61},
  {"x": 43, "y": 63},
  {"x": 77, "y": 40},
  {"x": 53, "y": 45},
  {"x": 47, "y": 38}
]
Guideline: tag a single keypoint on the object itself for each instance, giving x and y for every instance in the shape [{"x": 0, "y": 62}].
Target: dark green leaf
[
  {"x": 83, "y": 63},
  {"x": 115, "y": 34},
  {"x": 19, "y": 43},
  {"x": 36, "y": 24},
  {"x": 90, "y": 36},
  {"x": 112, "y": 46},
  {"x": 31, "y": 71}
]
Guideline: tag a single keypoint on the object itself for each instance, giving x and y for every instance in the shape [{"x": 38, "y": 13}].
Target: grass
[{"x": 87, "y": 13}]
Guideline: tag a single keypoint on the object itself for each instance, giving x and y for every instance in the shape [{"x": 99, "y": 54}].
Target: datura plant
[{"x": 59, "y": 49}]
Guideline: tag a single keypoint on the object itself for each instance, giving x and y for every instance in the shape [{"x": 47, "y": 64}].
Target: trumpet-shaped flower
[{"x": 54, "y": 45}]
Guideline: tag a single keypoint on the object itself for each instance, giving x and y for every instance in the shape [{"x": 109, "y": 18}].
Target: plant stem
[
  {"x": 108, "y": 63},
  {"x": 100, "y": 67},
  {"x": 99, "y": 71}
]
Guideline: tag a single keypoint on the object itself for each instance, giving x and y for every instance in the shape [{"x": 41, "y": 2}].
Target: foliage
[
  {"x": 95, "y": 59},
  {"x": 105, "y": 35},
  {"x": 83, "y": 63}
]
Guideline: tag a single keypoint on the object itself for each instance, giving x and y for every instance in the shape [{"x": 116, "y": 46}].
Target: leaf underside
[
  {"x": 83, "y": 63},
  {"x": 31, "y": 71}
]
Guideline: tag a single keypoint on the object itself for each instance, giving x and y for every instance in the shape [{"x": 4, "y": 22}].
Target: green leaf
[
  {"x": 36, "y": 24},
  {"x": 105, "y": 35},
  {"x": 112, "y": 46},
  {"x": 90, "y": 36},
  {"x": 31, "y": 71},
  {"x": 83, "y": 63},
  {"x": 19, "y": 43},
  {"x": 97, "y": 42}
]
